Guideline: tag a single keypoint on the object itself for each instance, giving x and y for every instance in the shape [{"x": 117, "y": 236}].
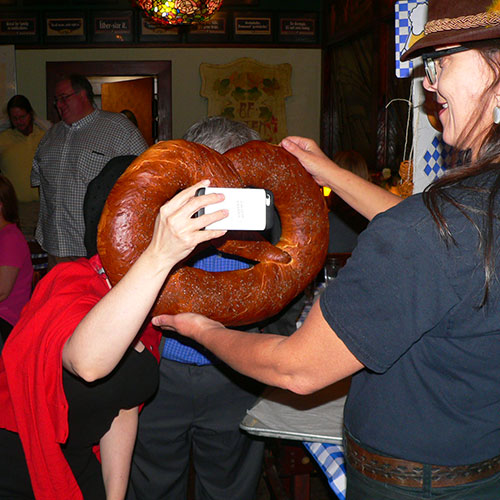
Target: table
[{"x": 316, "y": 420}]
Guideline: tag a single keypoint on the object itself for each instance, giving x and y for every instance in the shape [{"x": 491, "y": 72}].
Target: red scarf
[{"x": 31, "y": 388}]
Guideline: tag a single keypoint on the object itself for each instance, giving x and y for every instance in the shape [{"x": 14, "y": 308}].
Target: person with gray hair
[
  {"x": 200, "y": 401},
  {"x": 220, "y": 133}
]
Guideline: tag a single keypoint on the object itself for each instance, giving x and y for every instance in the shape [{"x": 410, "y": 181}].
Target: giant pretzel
[{"x": 232, "y": 297}]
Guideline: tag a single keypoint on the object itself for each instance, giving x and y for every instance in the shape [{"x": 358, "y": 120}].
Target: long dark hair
[
  {"x": 8, "y": 199},
  {"x": 464, "y": 166}
]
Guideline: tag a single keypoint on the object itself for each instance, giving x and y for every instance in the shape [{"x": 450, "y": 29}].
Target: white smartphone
[{"x": 250, "y": 209}]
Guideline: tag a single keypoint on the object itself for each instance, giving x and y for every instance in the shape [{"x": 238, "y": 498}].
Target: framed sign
[
  {"x": 253, "y": 27},
  {"x": 65, "y": 27},
  {"x": 216, "y": 29},
  {"x": 36, "y": 3},
  {"x": 113, "y": 26},
  {"x": 19, "y": 28},
  {"x": 149, "y": 31},
  {"x": 95, "y": 2},
  {"x": 298, "y": 28}
]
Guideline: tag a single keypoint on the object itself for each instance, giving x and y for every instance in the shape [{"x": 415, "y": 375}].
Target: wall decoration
[
  {"x": 295, "y": 28},
  {"x": 19, "y": 27},
  {"x": 36, "y": 3},
  {"x": 410, "y": 18},
  {"x": 253, "y": 27},
  {"x": 251, "y": 92},
  {"x": 215, "y": 30},
  {"x": 65, "y": 27},
  {"x": 113, "y": 26}
]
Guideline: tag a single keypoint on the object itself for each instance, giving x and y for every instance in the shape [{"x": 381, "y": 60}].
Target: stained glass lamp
[{"x": 173, "y": 12}]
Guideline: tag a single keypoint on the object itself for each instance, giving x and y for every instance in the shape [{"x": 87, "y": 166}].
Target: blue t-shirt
[{"x": 406, "y": 306}]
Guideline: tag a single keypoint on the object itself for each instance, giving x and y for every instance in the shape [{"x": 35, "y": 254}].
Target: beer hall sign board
[{"x": 250, "y": 92}]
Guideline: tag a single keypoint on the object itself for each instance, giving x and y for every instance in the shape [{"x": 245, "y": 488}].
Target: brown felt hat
[{"x": 457, "y": 21}]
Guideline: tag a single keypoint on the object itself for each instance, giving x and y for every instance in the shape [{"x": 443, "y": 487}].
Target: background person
[
  {"x": 424, "y": 400},
  {"x": 16, "y": 270},
  {"x": 17, "y": 148},
  {"x": 210, "y": 398},
  {"x": 70, "y": 155},
  {"x": 85, "y": 370}
]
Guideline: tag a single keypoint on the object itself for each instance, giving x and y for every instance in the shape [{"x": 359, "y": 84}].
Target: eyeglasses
[
  {"x": 63, "y": 98},
  {"x": 430, "y": 60}
]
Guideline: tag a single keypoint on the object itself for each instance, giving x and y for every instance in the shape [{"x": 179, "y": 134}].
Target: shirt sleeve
[
  {"x": 393, "y": 290},
  {"x": 11, "y": 254},
  {"x": 35, "y": 169},
  {"x": 135, "y": 144}
]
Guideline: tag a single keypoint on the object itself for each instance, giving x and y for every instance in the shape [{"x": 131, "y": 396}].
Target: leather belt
[{"x": 400, "y": 472}]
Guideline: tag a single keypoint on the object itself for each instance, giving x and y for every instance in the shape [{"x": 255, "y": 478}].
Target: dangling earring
[{"x": 496, "y": 115}]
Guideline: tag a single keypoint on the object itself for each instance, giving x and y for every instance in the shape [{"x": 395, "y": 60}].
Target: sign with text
[
  {"x": 253, "y": 27},
  {"x": 19, "y": 28},
  {"x": 113, "y": 26},
  {"x": 213, "y": 30},
  {"x": 298, "y": 29},
  {"x": 65, "y": 28}
]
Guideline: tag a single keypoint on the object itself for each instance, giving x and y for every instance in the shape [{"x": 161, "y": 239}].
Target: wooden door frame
[{"x": 162, "y": 70}]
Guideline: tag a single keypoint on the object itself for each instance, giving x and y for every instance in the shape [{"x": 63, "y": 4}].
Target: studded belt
[{"x": 400, "y": 472}]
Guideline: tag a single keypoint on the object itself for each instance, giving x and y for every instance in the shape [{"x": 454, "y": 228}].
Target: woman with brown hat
[{"x": 414, "y": 316}]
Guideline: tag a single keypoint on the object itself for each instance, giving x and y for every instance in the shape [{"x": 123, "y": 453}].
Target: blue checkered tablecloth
[{"x": 330, "y": 457}]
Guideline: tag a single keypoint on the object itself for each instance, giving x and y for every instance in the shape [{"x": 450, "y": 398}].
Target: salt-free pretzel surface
[{"x": 234, "y": 298}]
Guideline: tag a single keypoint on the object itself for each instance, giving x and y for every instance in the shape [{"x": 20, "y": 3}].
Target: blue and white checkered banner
[
  {"x": 410, "y": 19},
  {"x": 429, "y": 153}
]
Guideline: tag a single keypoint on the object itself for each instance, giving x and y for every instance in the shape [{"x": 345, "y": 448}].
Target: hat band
[{"x": 483, "y": 20}]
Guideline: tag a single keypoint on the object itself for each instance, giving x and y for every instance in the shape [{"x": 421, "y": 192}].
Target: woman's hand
[
  {"x": 188, "y": 324},
  {"x": 98, "y": 344},
  {"x": 176, "y": 233},
  {"x": 311, "y": 157},
  {"x": 362, "y": 195}
]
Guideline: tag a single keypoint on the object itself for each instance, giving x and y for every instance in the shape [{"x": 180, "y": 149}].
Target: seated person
[{"x": 16, "y": 270}]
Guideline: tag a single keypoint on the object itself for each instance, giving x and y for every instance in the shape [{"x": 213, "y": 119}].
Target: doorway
[{"x": 159, "y": 71}]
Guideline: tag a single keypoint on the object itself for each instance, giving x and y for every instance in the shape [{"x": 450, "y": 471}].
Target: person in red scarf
[{"x": 80, "y": 361}]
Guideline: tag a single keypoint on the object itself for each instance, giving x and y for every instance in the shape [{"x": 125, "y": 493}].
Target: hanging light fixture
[{"x": 172, "y": 12}]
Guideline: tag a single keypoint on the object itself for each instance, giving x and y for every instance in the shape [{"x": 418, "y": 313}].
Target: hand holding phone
[{"x": 250, "y": 209}]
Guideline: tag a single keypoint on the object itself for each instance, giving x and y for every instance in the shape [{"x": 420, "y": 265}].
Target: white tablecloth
[{"x": 316, "y": 420}]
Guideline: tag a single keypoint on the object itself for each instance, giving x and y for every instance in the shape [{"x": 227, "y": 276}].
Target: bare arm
[
  {"x": 102, "y": 337},
  {"x": 310, "y": 359},
  {"x": 364, "y": 196},
  {"x": 116, "y": 447},
  {"x": 8, "y": 275}
]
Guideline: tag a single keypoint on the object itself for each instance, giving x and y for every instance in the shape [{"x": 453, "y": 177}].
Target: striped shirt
[{"x": 67, "y": 159}]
